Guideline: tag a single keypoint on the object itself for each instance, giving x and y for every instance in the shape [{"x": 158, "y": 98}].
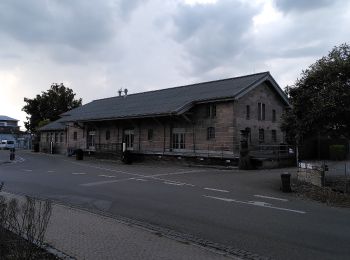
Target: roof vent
[{"x": 121, "y": 91}]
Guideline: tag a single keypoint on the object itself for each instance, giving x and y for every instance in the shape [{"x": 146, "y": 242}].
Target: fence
[
  {"x": 276, "y": 152},
  {"x": 110, "y": 149},
  {"x": 333, "y": 174},
  {"x": 209, "y": 151}
]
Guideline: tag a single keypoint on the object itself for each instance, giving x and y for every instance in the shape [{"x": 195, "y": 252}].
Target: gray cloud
[
  {"x": 213, "y": 34},
  {"x": 78, "y": 24},
  {"x": 302, "y": 5}
]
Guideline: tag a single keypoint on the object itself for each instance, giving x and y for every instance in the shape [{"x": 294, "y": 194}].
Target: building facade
[{"x": 204, "y": 119}]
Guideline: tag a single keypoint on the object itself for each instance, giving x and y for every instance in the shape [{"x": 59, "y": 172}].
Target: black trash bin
[
  {"x": 285, "y": 178},
  {"x": 127, "y": 157},
  {"x": 36, "y": 148},
  {"x": 79, "y": 154},
  {"x": 12, "y": 154}
]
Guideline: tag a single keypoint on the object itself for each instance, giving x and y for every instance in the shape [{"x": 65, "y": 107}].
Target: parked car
[{"x": 7, "y": 144}]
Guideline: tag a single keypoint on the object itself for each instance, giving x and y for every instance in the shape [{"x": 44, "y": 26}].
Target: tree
[
  {"x": 320, "y": 99},
  {"x": 48, "y": 106}
]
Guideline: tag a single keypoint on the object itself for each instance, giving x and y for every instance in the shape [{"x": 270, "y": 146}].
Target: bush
[
  {"x": 28, "y": 220},
  {"x": 337, "y": 152}
]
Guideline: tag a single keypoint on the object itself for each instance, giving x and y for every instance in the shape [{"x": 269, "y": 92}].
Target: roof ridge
[{"x": 183, "y": 86}]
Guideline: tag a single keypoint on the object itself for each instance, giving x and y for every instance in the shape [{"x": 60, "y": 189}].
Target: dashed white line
[
  {"x": 107, "y": 176},
  {"x": 176, "y": 173},
  {"x": 255, "y": 203},
  {"x": 50, "y": 171},
  {"x": 173, "y": 183},
  {"x": 138, "y": 179},
  {"x": 103, "y": 182},
  {"x": 218, "y": 190},
  {"x": 138, "y": 176},
  {"x": 27, "y": 170},
  {"x": 268, "y": 197},
  {"x": 79, "y": 173}
]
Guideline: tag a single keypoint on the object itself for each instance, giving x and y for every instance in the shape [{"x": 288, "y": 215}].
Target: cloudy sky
[{"x": 96, "y": 47}]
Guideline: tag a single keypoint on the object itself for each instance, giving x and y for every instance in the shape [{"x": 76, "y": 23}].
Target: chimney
[
  {"x": 126, "y": 92},
  {"x": 120, "y": 92}
]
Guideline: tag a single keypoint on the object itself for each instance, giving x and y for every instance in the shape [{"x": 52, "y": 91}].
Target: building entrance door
[
  {"x": 91, "y": 140},
  {"x": 129, "y": 139}
]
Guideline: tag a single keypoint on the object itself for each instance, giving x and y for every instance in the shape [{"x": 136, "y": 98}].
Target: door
[
  {"x": 91, "y": 140},
  {"x": 129, "y": 139}
]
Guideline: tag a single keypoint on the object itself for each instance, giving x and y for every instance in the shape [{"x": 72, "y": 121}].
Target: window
[
  {"x": 108, "y": 135},
  {"x": 61, "y": 137},
  {"x": 211, "y": 111},
  {"x": 75, "y": 136},
  {"x": 274, "y": 136},
  {"x": 247, "y": 112},
  {"x": 249, "y": 134},
  {"x": 210, "y": 133},
  {"x": 56, "y": 137},
  {"x": 273, "y": 115},
  {"x": 261, "y": 135},
  {"x": 150, "y": 135},
  {"x": 261, "y": 111},
  {"x": 47, "y": 137}
]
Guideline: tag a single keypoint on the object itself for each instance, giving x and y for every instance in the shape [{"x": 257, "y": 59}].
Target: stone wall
[{"x": 311, "y": 173}]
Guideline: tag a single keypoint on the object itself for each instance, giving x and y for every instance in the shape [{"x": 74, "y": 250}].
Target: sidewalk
[{"x": 84, "y": 235}]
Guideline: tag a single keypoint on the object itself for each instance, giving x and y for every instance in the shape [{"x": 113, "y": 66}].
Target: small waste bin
[
  {"x": 79, "y": 154},
  {"x": 127, "y": 157},
  {"x": 36, "y": 148},
  {"x": 12, "y": 154},
  {"x": 285, "y": 178}
]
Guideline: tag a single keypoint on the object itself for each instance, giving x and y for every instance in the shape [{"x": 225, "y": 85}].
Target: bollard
[{"x": 285, "y": 178}]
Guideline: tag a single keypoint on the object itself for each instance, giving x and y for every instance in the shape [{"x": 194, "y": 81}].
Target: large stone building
[{"x": 203, "y": 119}]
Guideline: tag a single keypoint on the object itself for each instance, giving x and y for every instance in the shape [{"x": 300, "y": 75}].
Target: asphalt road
[{"x": 241, "y": 209}]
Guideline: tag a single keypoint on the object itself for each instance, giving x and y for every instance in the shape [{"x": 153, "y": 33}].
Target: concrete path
[{"x": 84, "y": 235}]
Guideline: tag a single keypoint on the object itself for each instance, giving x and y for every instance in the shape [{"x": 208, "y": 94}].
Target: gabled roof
[
  {"x": 54, "y": 126},
  {"x": 6, "y": 118},
  {"x": 171, "y": 101}
]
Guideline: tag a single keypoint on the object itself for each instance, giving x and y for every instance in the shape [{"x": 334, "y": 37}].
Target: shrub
[
  {"x": 28, "y": 220},
  {"x": 337, "y": 152}
]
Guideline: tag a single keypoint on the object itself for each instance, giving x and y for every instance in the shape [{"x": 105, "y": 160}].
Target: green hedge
[{"x": 337, "y": 152}]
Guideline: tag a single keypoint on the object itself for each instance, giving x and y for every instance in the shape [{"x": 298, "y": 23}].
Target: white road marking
[
  {"x": 133, "y": 174},
  {"x": 79, "y": 173},
  {"x": 268, "y": 197},
  {"x": 107, "y": 176},
  {"x": 212, "y": 189},
  {"x": 260, "y": 203},
  {"x": 103, "y": 182},
  {"x": 139, "y": 179},
  {"x": 176, "y": 173},
  {"x": 255, "y": 203},
  {"x": 27, "y": 170},
  {"x": 50, "y": 171},
  {"x": 173, "y": 183}
]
